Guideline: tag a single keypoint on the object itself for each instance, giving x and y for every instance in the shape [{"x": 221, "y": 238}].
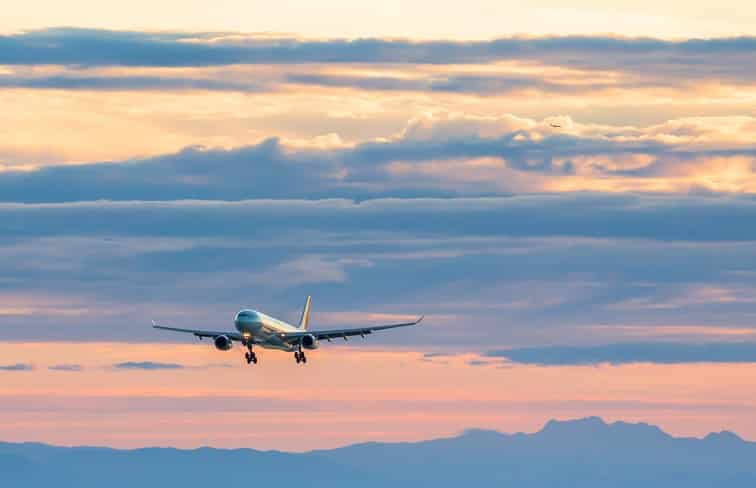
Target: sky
[{"x": 567, "y": 193}]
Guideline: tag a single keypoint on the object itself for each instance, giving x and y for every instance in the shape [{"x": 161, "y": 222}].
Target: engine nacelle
[
  {"x": 310, "y": 342},
  {"x": 223, "y": 343}
]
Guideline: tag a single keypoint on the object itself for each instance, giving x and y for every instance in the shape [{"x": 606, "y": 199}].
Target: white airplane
[{"x": 257, "y": 329}]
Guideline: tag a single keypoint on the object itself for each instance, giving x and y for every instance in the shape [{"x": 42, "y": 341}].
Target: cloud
[
  {"x": 66, "y": 367},
  {"x": 490, "y": 84},
  {"x": 557, "y": 229},
  {"x": 662, "y": 218},
  {"x": 264, "y": 169},
  {"x": 16, "y": 367},
  {"x": 309, "y": 269},
  {"x": 89, "y": 47},
  {"x": 628, "y": 353},
  {"x": 553, "y": 77},
  {"x": 119, "y": 83},
  {"x": 557, "y": 263},
  {"x": 478, "y": 362},
  {"x": 157, "y": 366},
  {"x": 436, "y": 357},
  {"x": 147, "y": 365},
  {"x": 438, "y": 156},
  {"x": 521, "y": 268}
]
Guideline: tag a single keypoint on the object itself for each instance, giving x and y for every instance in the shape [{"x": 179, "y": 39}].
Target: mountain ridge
[
  {"x": 552, "y": 425},
  {"x": 586, "y": 452}
]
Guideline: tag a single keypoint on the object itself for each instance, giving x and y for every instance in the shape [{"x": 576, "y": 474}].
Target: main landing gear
[
  {"x": 300, "y": 357},
  {"x": 250, "y": 355}
]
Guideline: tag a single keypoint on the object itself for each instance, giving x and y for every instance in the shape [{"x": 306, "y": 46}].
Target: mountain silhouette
[{"x": 583, "y": 453}]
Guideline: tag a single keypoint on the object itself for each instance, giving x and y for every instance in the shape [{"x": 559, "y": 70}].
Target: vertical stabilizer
[{"x": 305, "y": 314}]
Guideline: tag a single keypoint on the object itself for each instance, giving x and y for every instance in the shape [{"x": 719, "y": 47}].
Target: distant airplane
[
  {"x": 257, "y": 329},
  {"x": 556, "y": 126}
]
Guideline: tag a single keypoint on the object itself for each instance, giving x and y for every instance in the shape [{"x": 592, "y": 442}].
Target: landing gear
[
  {"x": 250, "y": 355},
  {"x": 300, "y": 357}
]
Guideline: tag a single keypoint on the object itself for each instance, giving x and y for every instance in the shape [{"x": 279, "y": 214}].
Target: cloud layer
[
  {"x": 659, "y": 218},
  {"x": 16, "y": 367},
  {"x": 101, "y": 47},
  {"x": 66, "y": 367},
  {"x": 147, "y": 365},
  {"x": 558, "y": 65},
  {"x": 386, "y": 177},
  {"x": 433, "y": 156},
  {"x": 628, "y": 353},
  {"x": 519, "y": 267}
]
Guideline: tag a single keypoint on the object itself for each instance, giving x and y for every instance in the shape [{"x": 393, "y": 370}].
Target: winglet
[
  {"x": 154, "y": 324},
  {"x": 419, "y": 319}
]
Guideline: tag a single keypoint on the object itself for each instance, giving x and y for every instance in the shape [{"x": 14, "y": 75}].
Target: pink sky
[{"x": 217, "y": 401}]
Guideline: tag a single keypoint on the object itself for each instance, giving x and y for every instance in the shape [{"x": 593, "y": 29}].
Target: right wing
[
  {"x": 344, "y": 333},
  {"x": 235, "y": 336}
]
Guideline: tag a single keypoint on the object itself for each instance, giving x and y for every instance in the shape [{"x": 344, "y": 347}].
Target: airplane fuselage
[{"x": 264, "y": 330}]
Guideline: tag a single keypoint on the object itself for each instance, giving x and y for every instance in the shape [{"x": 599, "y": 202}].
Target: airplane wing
[
  {"x": 234, "y": 336},
  {"x": 344, "y": 333}
]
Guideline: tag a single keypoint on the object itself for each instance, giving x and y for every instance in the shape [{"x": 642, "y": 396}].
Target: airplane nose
[{"x": 247, "y": 316}]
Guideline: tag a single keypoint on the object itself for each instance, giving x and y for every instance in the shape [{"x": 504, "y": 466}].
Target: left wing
[
  {"x": 338, "y": 333},
  {"x": 234, "y": 336}
]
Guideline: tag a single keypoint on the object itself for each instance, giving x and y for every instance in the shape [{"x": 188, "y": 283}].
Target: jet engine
[
  {"x": 310, "y": 342},
  {"x": 223, "y": 343}
]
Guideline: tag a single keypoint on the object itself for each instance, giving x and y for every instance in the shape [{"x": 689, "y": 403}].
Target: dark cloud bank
[
  {"x": 591, "y": 215},
  {"x": 91, "y": 47},
  {"x": 512, "y": 265},
  {"x": 652, "y": 62}
]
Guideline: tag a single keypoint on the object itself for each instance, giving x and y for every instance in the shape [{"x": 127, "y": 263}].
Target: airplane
[{"x": 254, "y": 328}]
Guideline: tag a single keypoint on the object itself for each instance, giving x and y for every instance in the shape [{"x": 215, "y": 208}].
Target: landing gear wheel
[
  {"x": 300, "y": 357},
  {"x": 250, "y": 355}
]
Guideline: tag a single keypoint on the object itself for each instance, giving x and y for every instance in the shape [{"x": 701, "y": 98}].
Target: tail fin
[{"x": 305, "y": 314}]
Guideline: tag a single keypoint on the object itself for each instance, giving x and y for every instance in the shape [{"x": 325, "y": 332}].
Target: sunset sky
[{"x": 568, "y": 193}]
